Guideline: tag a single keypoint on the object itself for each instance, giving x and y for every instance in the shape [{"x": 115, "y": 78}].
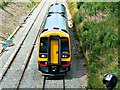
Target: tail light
[
  {"x": 65, "y": 63},
  {"x": 42, "y": 63}
]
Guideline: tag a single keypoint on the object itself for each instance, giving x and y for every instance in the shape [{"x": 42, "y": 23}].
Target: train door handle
[{"x": 56, "y": 51}]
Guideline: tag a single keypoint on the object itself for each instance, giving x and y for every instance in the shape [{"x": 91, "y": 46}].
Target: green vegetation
[
  {"x": 96, "y": 27},
  {"x": 29, "y": 5},
  {"x": 3, "y": 4},
  {"x": 32, "y": 4}
]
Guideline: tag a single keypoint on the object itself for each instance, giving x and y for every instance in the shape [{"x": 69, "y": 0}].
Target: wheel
[
  {"x": 38, "y": 67},
  {"x": 69, "y": 68}
]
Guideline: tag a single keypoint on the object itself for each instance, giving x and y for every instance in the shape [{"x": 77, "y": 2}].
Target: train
[{"x": 54, "y": 47}]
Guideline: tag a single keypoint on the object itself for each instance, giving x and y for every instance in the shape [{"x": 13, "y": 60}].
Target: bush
[
  {"x": 96, "y": 38},
  {"x": 79, "y": 4},
  {"x": 100, "y": 39},
  {"x": 3, "y": 4}
]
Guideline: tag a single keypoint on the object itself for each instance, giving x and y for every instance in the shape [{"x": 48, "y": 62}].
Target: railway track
[
  {"x": 20, "y": 37},
  {"x": 13, "y": 59},
  {"x": 19, "y": 69},
  {"x": 54, "y": 78}
]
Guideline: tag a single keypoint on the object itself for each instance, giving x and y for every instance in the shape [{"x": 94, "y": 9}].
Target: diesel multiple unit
[{"x": 54, "y": 49}]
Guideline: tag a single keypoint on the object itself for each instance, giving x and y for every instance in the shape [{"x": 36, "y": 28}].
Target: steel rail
[
  {"x": 18, "y": 27},
  {"x": 44, "y": 81},
  {"x": 13, "y": 55},
  {"x": 30, "y": 53}
]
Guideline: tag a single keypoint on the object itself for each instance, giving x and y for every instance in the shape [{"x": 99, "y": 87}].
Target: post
[{"x": 1, "y": 44}]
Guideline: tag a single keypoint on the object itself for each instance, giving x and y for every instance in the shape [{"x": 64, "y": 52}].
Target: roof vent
[
  {"x": 55, "y": 28},
  {"x": 63, "y": 15},
  {"x": 48, "y": 15},
  {"x": 51, "y": 5},
  {"x": 56, "y": 3},
  {"x": 62, "y": 12},
  {"x": 64, "y": 30},
  {"x": 62, "y": 5},
  {"x": 44, "y": 30},
  {"x": 50, "y": 12}
]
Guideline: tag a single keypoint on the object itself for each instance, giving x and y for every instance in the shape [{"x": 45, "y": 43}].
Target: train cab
[{"x": 54, "y": 49}]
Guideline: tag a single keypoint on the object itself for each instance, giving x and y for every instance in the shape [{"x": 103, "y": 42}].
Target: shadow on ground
[{"x": 78, "y": 68}]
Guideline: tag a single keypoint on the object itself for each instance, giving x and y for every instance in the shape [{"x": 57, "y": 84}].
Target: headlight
[
  {"x": 65, "y": 55},
  {"x": 43, "y": 55}
]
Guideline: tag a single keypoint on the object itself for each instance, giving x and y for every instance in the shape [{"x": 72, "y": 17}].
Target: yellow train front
[{"x": 54, "y": 49}]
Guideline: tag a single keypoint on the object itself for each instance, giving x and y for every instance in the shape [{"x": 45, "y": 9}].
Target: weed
[
  {"x": 3, "y": 4},
  {"x": 99, "y": 39}
]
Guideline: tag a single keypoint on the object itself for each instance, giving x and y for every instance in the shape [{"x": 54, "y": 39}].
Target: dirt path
[{"x": 11, "y": 16}]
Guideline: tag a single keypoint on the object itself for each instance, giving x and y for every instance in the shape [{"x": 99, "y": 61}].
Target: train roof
[
  {"x": 57, "y": 8},
  {"x": 56, "y": 21}
]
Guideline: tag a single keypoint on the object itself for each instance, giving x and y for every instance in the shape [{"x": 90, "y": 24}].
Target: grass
[
  {"x": 98, "y": 39},
  {"x": 29, "y": 5},
  {"x": 33, "y": 3},
  {"x": 3, "y": 4},
  {"x": 71, "y": 6}
]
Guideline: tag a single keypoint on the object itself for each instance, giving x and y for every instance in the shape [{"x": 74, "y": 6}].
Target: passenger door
[{"x": 54, "y": 50}]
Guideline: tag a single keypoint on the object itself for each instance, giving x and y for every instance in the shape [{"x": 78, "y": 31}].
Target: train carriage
[
  {"x": 57, "y": 8},
  {"x": 54, "y": 52}
]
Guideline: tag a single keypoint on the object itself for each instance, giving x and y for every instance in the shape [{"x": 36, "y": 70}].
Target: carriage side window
[
  {"x": 64, "y": 45},
  {"x": 43, "y": 44}
]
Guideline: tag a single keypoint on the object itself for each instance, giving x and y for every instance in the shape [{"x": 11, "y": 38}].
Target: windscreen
[
  {"x": 64, "y": 45},
  {"x": 43, "y": 45}
]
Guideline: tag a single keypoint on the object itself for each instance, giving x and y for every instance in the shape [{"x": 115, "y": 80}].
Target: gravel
[
  {"x": 14, "y": 73},
  {"x": 76, "y": 78},
  {"x": 18, "y": 38}
]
